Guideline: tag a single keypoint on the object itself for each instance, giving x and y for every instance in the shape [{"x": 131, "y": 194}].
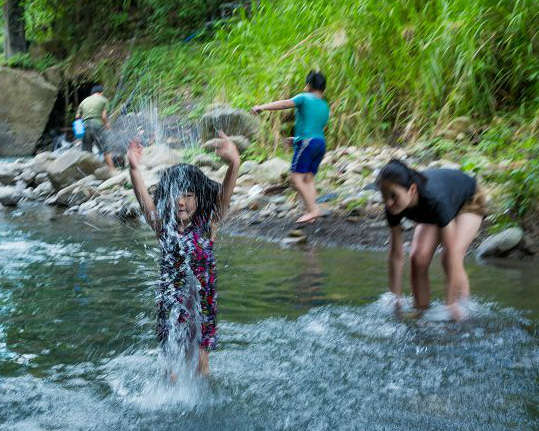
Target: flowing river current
[{"x": 307, "y": 339}]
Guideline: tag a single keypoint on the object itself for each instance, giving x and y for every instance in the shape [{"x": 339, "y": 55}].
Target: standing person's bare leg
[
  {"x": 299, "y": 184},
  {"x": 426, "y": 239},
  {"x": 309, "y": 198}
]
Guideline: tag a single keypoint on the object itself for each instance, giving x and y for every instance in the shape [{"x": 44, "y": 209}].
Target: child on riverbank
[
  {"x": 312, "y": 114},
  {"x": 448, "y": 207},
  {"x": 184, "y": 212}
]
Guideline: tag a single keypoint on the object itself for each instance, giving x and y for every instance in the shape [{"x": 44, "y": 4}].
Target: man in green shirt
[{"x": 93, "y": 111}]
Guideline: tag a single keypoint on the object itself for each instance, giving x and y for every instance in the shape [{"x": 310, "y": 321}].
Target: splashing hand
[
  {"x": 134, "y": 153},
  {"x": 226, "y": 149}
]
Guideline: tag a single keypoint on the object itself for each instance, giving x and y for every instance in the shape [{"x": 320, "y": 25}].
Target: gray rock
[
  {"x": 44, "y": 189},
  {"x": 234, "y": 122},
  {"x": 205, "y": 160},
  {"x": 160, "y": 155},
  {"x": 103, "y": 173},
  {"x": 27, "y": 176},
  {"x": 500, "y": 244},
  {"x": 241, "y": 142},
  {"x": 42, "y": 161},
  {"x": 8, "y": 173},
  {"x": 247, "y": 167},
  {"x": 23, "y": 120},
  {"x": 9, "y": 196},
  {"x": 41, "y": 178},
  {"x": 272, "y": 170},
  {"x": 296, "y": 240},
  {"x": 117, "y": 180},
  {"x": 71, "y": 166}
]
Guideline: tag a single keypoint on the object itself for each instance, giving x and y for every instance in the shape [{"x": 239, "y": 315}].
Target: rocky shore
[{"x": 264, "y": 203}]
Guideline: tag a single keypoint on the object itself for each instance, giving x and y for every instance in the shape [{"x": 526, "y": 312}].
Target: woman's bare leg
[
  {"x": 467, "y": 227},
  {"x": 426, "y": 239}
]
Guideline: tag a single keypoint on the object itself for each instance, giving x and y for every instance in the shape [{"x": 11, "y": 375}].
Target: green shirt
[
  {"x": 312, "y": 114},
  {"x": 92, "y": 108}
]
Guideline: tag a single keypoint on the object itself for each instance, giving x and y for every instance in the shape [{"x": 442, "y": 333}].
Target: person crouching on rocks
[
  {"x": 184, "y": 214},
  {"x": 448, "y": 206},
  {"x": 312, "y": 114}
]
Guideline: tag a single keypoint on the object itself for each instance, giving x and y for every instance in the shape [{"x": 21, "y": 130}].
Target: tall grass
[{"x": 394, "y": 67}]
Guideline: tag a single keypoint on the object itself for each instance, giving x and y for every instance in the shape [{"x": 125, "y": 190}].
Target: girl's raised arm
[
  {"x": 228, "y": 152},
  {"x": 134, "y": 155}
]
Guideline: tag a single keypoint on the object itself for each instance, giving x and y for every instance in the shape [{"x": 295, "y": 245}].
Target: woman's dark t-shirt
[{"x": 440, "y": 199}]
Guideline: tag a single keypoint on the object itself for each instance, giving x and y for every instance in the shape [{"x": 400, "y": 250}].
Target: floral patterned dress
[{"x": 190, "y": 250}]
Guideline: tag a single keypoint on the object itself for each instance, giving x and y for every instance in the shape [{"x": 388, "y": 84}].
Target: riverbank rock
[
  {"x": 10, "y": 196},
  {"x": 42, "y": 161},
  {"x": 247, "y": 167},
  {"x": 500, "y": 244},
  {"x": 160, "y": 155},
  {"x": 70, "y": 167},
  {"x": 205, "y": 160},
  {"x": 26, "y": 102},
  {"x": 8, "y": 173},
  {"x": 234, "y": 122},
  {"x": 272, "y": 170}
]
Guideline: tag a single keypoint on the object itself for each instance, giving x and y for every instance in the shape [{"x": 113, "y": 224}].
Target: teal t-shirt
[{"x": 312, "y": 114}]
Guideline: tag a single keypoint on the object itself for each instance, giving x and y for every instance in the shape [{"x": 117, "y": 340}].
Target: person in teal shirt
[{"x": 312, "y": 114}]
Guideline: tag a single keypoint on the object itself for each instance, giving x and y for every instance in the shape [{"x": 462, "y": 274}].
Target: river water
[{"x": 307, "y": 340}]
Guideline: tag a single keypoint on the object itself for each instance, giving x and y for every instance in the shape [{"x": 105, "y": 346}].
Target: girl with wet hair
[
  {"x": 448, "y": 207},
  {"x": 184, "y": 213}
]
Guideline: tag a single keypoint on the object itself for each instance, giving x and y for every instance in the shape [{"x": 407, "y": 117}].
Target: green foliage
[
  {"x": 25, "y": 61},
  {"x": 389, "y": 64},
  {"x": 522, "y": 185},
  {"x": 70, "y": 22}
]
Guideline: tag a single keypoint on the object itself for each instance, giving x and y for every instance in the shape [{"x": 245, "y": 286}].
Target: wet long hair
[
  {"x": 400, "y": 173},
  {"x": 185, "y": 178}
]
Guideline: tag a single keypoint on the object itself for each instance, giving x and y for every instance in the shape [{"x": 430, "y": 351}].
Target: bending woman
[{"x": 448, "y": 207}]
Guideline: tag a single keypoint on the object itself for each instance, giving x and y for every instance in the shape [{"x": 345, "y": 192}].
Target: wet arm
[
  {"x": 144, "y": 199},
  {"x": 396, "y": 261},
  {"x": 227, "y": 188}
]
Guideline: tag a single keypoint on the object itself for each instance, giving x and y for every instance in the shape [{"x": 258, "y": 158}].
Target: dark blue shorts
[{"x": 308, "y": 155}]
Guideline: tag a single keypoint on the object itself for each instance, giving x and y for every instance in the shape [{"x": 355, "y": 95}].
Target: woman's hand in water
[
  {"x": 134, "y": 153},
  {"x": 226, "y": 149}
]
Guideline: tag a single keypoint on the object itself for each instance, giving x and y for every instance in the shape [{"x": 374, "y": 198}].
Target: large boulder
[
  {"x": 42, "y": 161},
  {"x": 70, "y": 167},
  {"x": 8, "y": 172},
  {"x": 10, "y": 196},
  {"x": 234, "y": 122},
  {"x": 26, "y": 101},
  {"x": 241, "y": 142},
  {"x": 160, "y": 155},
  {"x": 272, "y": 170},
  {"x": 501, "y": 243}
]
